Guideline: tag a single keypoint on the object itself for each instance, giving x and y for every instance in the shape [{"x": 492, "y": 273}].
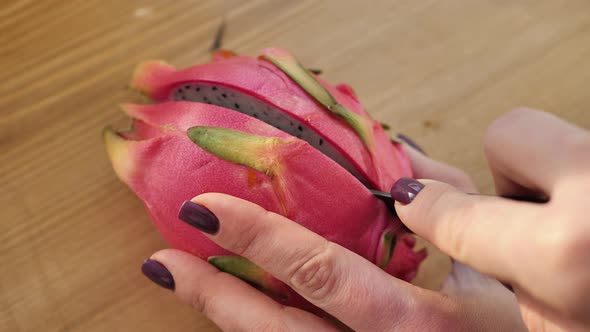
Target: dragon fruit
[{"x": 269, "y": 131}]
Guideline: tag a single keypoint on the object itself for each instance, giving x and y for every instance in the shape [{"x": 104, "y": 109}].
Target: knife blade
[
  {"x": 389, "y": 201},
  {"x": 384, "y": 196}
]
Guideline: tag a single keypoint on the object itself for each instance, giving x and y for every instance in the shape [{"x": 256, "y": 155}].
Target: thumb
[{"x": 481, "y": 231}]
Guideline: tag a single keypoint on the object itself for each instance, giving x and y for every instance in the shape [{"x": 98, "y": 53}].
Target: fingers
[
  {"x": 342, "y": 283},
  {"x": 532, "y": 149},
  {"x": 481, "y": 294},
  {"x": 426, "y": 168},
  {"x": 229, "y": 302},
  {"x": 477, "y": 290},
  {"x": 481, "y": 231},
  {"x": 507, "y": 187}
]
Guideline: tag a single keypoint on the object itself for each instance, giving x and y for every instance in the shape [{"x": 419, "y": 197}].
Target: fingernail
[
  {"x": 410, "y": 142},
  {"x": 199, "y": 217},
  {"x": 158, "y": 273},
  {"x": 405, "y": 190}
]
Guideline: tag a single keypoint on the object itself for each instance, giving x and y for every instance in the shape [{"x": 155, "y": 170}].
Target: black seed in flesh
[
  {"x": 240, "y": 102},
  {"x": 187, "y": 87},
  {"x": 214, "y": 88}
]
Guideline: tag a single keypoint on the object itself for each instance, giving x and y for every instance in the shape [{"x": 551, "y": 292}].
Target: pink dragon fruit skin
[{"x": 183, "y": 146}]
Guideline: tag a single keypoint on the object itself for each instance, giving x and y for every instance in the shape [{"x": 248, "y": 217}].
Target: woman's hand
[
  {"x": 542, "y": 250},
  {"x": 343, "y": 284}
]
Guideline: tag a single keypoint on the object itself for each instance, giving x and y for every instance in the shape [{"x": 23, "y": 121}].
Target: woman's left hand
[{"x": 340, "y": 282}]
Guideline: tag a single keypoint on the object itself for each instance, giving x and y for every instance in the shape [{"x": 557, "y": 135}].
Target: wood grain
[{"x": 72, "y": 237}]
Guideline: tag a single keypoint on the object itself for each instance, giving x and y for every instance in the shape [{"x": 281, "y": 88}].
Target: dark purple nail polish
[
  {"x": 199, "y": 217},
  {"x": 405, "y": 190},
  {"x": 410, "y": 142},
  {"x": 158, "y": 273}
]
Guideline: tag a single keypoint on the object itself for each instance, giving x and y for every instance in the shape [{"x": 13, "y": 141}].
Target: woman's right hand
[{"x": 542, "y": 250}]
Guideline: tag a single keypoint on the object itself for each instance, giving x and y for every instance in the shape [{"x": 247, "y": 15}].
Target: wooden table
[{"x": 72, "y": 237}]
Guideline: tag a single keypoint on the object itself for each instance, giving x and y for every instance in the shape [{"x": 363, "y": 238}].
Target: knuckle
[
  {"x": 577, "y": 144},
  {"x": 314, "y": 275},
  {"x": 569, "y": 247},
  {"x": 457, "y": 226},
  {"x": 247, "y": 241},
  {"x": 572, "y": 294},
  {"x": 564, "y": 247},
  {"x": 503, "y": 124},
  {"x": 499, "y": 123},
  {"x": 202, "y": 303},
  {"x": 244, "y": 242},
  {"x": 514, "y": 115}
]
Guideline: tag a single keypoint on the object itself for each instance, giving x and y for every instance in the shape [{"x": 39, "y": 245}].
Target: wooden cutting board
[{"x": 72, "y": 237}]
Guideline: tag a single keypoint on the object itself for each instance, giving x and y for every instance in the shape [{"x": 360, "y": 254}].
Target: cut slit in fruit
[{"x": 237, "y": 101}]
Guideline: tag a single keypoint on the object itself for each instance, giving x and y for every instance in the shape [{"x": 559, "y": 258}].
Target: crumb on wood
[{"x": 429, "y": 124}]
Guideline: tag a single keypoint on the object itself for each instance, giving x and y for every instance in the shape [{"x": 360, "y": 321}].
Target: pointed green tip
[
  {"x": 239, "y": 267},
  {"x": 112, "y": 139},
  {"x": 242, "y": 268},
  {"x": 257, "y": 152},
  {"x": 361, "y": 125},
  {"x": 148, "y": 73},
  {"x": 395, "y": 140},
  {"x": 315, "y": 71},
  {"x": 196, "y": 134},
  {"x": 289, "y": 65},
  {"x": 385, "y": 126},
  {"x": 119, "y": 152},
  {"x": 388, "y": 245}
]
